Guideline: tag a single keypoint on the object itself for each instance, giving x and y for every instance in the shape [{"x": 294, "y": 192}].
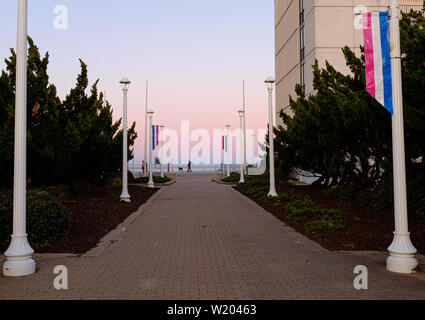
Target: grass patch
[
  {"x": 297, "y": 210},
  {"x": 322, "y": 219},
  {"x": 324, "y": 225}
]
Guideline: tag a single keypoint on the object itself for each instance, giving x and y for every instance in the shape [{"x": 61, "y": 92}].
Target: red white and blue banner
[
  {"x": 224, "y": 143},
  {"x": 377, "y": 58},
  {"x": 155, "y": 137}
]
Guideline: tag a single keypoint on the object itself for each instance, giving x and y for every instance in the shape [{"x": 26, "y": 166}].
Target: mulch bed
[
  {"x": 95, "y": 215},
  {"x": 366, "y": 229}
]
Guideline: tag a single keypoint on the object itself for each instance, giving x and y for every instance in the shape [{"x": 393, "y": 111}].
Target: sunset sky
[{"x": 195, "y": 54}]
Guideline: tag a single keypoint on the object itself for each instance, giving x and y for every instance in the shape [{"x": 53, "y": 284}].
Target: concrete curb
[
  {"x": 257, "y": 207},
  {"x": 232, "y": 184},
  {"x": 115, "y": 235},
  {"x": 156, "y": 184}
]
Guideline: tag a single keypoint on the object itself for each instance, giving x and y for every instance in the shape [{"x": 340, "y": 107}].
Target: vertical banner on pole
[
  {"x": 224, "y": 147},
  {"x": 224, "y": 143},
  {"x": 377, "y": 58},
  {"x": 384, "y": 83},
  {"x": 155, "y": 137}
]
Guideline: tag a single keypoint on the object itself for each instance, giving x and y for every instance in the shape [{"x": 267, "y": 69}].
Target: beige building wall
[{"x": 329, "y": 25}]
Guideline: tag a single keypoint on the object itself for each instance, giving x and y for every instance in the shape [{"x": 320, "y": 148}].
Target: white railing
[
  {"x": 407, "y": 8},
  {"x": 136, "y": 169}
]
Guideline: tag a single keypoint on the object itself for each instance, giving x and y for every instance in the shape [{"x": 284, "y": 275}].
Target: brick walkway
[{"x": 202, "y": 240}]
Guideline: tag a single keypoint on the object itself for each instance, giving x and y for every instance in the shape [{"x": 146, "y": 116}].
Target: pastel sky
[{"x": 195, "y": 54}]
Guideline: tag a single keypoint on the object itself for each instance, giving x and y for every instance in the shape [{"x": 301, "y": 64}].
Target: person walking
[
  {"x": 143, "y": 166},
  {"x": 189, "y": 167}
]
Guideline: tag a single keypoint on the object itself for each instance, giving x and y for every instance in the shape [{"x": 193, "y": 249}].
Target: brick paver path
[{"x": 202, "y": 240}]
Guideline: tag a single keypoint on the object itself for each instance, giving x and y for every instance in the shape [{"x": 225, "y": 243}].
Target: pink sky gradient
[{"x": 194, "y": 53}]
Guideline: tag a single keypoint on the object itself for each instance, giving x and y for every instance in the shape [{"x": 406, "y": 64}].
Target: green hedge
[
  {"x": 381, "y": 197},
  {"x": 47, "y": 218},
  {"x": 156, "y": 179},
  {"x": 233, "y": 177}
]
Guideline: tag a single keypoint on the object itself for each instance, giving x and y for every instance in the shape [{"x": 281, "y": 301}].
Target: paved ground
[{"x": 202, "y": 240}]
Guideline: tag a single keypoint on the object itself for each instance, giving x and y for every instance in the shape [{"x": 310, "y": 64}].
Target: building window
[{"x": 302, "y": 46}]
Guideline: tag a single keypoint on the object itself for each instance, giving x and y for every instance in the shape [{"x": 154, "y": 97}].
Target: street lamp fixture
[
  {"x": 125, "y": 83},
  {"x": 270, "y": 82}
]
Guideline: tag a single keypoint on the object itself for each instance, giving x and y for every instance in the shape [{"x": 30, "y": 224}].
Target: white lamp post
[
  {"x": 161, "y": 138},
  {"x": 125, "y": 82},
  {"x": 146, "y": 128},
  {"x": 150, "y": 183},
  {"x": 241, "y": 115},
  {"x": 19, "y": 254},
  {"x": 402, "y": 252},
  {"x": 270, "y": 85},
  {"x": 244, "y": 129},
  {"x": 227, "y": 151}
]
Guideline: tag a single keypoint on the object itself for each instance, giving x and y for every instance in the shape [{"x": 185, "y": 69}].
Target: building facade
[{"x": 306, "y": 30}]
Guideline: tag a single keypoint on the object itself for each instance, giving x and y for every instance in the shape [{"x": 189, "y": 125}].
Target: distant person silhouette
[
  {"x": 143, "y": 166},
  {"x": 189, "y": 167}
]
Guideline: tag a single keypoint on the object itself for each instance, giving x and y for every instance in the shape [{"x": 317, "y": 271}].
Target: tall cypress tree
[
  {"x": 70, "y": 140},
  {"x": 341, "y": 133}
]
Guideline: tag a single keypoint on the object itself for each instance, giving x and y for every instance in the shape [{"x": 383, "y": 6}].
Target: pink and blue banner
[
  {"x": 155, "y": 137},
  {"x": 377, "y": 58}
]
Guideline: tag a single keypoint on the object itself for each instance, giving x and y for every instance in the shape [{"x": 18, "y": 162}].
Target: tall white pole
[
  {"x": 162, "y": 151},
  {"x": 124, "y": 195},
  {"x": 241, "y": 153},
  {"x": 254, "y": 143},
  {"x": 227, "y": 155},
  {"x": 146, "y": 128},
  {"x": 19, "y": 254},
  {"x": 402, "y": 252},
  {"x": 150, "y": 183},
  {"x": 244, "y": 127},
  {"x": 270, "y": 86}
]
